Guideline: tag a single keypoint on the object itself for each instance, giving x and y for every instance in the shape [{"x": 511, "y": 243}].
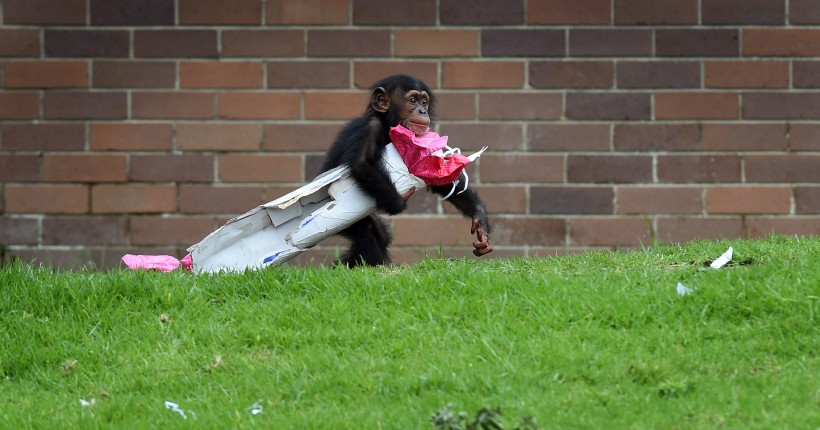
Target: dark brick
[
  {"x": 697, "y": 43},
  {"x": 131, "y": 137},
  {"x": 396, "y": 12},
  {"x": 84, "y": 168},
  {"x": 743, "y": 12},
  {"x": 806, "y": 200},
  {"x": 804, "y": 12},
  {"x": 522, "y": 43},
  {"x": 528, "y": 230},
  {"x": 609, "y": 168},
  {"x": 698, "y": 168},
  {"x": 299, "y": 137},
  {"x": 172, "y": 168},
  {"x": 522, "y": 168},
  {"x": 806, "y": 74},
  {"x": 472, "y": 137},
  {"x": 608, "y": 106},
  {"x": 658, "y": 74},
  {"x": 571, "y": 200},
  {"x": 85, "y": 231},
  {"x": 482, "y": 74},
  {"x": 366, "y": 73},
  {"x": 313, "y": 166},
  {"x": 568, "y": 137},
  {"x": 19, "y": 231},
  {"x": 571, "y": 74},
  {"x": 19, "y": 43},
  {"x": 86, "y": 43},
  {"x": 19, "y": 105},
  {"x": 175, "y": 43},
  {"x": 481, "y": 12},
  {"x": 308, "y": 74},
  {"x": 609, "y": 231},
  {"x": 218, "y": 12},
  {"x": 84, "y": 105},
  {"x": 744, "y": 137},
  {"x": 43, "y": 137},
  {"x": 781, "y": 106},
  {"x": 189, "y": 105},
  {"x": 519, "y": 106},
  {"x": 610, "y": 43},
  {"x": 63, "y": 12},
  {"x": 158, "y": 230},
  {"x": 19, "y": 168},
  {"x": 677, "y": 230},
  {"x": 263, "y": 43},
  {"x": 348, "y": 43},
  {"x": 783, "y": 168},
  {"x": 804, "y": 137},
  {"x": 456, "y": 106},
  {"x": 216, "y": 199},
  {"x": 657, "y": 137},
  {"x": 590, "y": 12},
  {"x": 797, "y": 226},
  {"x": 653, "y": 12},
  {"x": 134, "y": 74},
  {"x": 68, "y": 259},
  {"x": 132, "y": 12}
]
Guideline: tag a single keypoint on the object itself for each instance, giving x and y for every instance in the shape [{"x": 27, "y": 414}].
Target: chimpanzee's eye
[{"x": 413, "y": 100}]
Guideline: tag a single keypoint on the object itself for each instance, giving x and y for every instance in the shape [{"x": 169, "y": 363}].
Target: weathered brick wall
[{"x": 140, "y": 126}]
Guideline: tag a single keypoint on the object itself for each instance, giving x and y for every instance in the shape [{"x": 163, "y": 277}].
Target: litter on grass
[
  {"x": 683, "y": 290},
  {"x": 86, "y": 403},
  {"x": 256, "y": 408},
  {"x": 175, "y": 408},
  {"x": 723, "y": 259}
]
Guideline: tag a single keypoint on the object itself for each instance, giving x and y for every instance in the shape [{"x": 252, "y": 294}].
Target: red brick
[
  {"x": 805, "y": 137},
  {"x": 64, "y": 12},
  {"x": 744, "y": 137},
  {"x": 610, "y": 231},
  {"x": 781, "y": 106},
  {"x": 568, "y": 137},
  {"x": 609, "y": 168},
  {"x": 522, "y": 168},
  {"x": 134, "y": 74},
  {"x": 806, "y": 74},
  {"x": 528, "y": 230},
  {"x": 73, "y": 259},
  {"x": 485, "y": 74},
  {"x": 659, "y": 200},
  {"x": 234, "y": 74},
  {"x": 348, "y": 43},
  {"x": 339, "y": 105},
  {"x": 764, "y": 226},
  {"x": 19, "y": 231},
  {"x": 781, "y": 42},
  {"x": 804, "y": 12},
  {"x": 260, "y": 168},
  {"x": 571, "y": 74},
  {"x": 128, "y": 12},
  {"x": 19, "y": 105},
  {"x": 748, "y": 200},
  {"x": 472, "y": 137},
  {"x": 133, "y": 198},
  {"x": 807, "y": 200},
  {"x": 155, "y": 230},
  {"x": 743, "y": 12},
  {"x": 308, "y": 74},
  {"x": 481, "y": 12},
  {"x": 46, "y": 74},
  {"x": 499, "y": 199},
  {"x": 86, "y": 43},
  {"x": 367, "y": 73},
  {"x": 607, "y": 106},
  {"x": 85, "y": 231},
  {"x": 783, "y": 168},
  {"x": 84, "y": 168},
  {"x": 746, "y": 74},
  {"x": 456, "y": 106},
  {"x": 218, "y": 137},
  {"x": 263, "y": 43},
  {"x": 520, "y": 106},
  {"x": 379, "y": 12},
  {"x": 571, "y": 200},
  {"x": 423, "y": 203},
  {"x": 240, "y": 105},
  {"x": 322, "y": 12},
  {"x": 656, "y": 12},
  {"x": 131, "y": 137},
  {"x": 432, "y": 231},
  {"x": 172, "y": 168},
  {"x": 700, "y": 105},
  {"x": 214, "y": 199},
  {"x": 590, "y": 12},
  {"x": 175, "y": 43},
  {"x": 658, "y": 74},
  {"x": 43, "y": 137},
  {"x": 19, "y": 167},
  {"x": 436, "y": 43},
  {"x": 182, "y": 105},
  {"x": 217, "y": 12},
  {"x": 68, "y": 199},
  {"x": 698, "y": 168},
  {"x": 522, "y": 43},
  {"x": 69, "y": 105},
  {"x": 19, "y": 43},
  {"x": 299, "y": 137},
  {"x": 678, "y": 230},
  {"x": 657, "y": 137},
  {"x": 609, "y": 43},
  {"x": 697, "y": 43},
  {"x": 313, "y": 165}
]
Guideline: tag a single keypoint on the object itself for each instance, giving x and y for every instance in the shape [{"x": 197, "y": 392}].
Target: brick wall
[{"x": 142, "y": 126}]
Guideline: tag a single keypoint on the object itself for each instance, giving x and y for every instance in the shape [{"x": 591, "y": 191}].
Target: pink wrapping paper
[
  {"x": 162, "y": 263},
  {"x": 416, "y": 152}
]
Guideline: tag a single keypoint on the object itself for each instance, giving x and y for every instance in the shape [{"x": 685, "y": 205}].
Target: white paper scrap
[
  {"x": 86, "y": 403},
  {"x": 683, "y": 290},
  {"x": 175, "y": 407},
  {"x": 256, "y": 408},
  {"x": 723, "y": 259}
]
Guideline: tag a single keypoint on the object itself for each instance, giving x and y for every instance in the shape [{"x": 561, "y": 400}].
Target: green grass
[{"x": 599, "y": 340}]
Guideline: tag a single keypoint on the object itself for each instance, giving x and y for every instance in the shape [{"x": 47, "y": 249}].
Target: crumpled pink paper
[
  {"x": 416, "y": 151},
  {"x": 162, "y": 263}
]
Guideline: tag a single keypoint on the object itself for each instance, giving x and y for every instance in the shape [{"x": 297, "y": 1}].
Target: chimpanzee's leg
[{"x": 370, "y": 237}]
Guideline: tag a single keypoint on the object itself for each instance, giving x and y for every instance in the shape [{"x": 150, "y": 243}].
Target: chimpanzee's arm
[
  {"x": 365, "y": 166},
  {"x": 471, "y": 206}
]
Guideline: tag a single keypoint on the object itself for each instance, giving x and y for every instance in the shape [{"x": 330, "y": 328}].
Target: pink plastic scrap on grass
[
  {"x": 418, "y": 154},
  {"x": 162, "y": 263}
]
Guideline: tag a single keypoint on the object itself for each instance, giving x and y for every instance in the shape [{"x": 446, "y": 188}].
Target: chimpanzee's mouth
[{"x": 417, "y": 127}]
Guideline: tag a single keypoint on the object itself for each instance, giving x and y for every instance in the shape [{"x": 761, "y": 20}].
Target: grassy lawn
[{"x": 598, "y": 340}]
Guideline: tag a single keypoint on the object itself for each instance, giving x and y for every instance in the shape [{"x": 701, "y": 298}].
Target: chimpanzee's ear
[{"x": 380, "y": 100}]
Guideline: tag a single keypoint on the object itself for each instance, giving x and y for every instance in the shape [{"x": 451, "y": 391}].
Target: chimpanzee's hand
[
  {"x": 483, "y": 245},
  {"x": 409, "y": 193}
]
